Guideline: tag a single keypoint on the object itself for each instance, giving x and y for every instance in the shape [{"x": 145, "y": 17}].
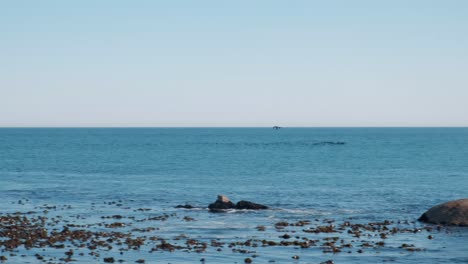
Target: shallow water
[{"x": 357, "y": 174}]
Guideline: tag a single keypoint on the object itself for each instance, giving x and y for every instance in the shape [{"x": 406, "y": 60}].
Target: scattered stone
[
  {"x": 35, "y": 232},
  {"x": 321, "y": 229},
  {"x": 248, "y": 260},
  {"x": 188, "y": 218},
  {"x": 281, "y": 225},
  {"x": 295, "y": 257},
  {"x": 115, "y": 225},
  {"x": 450, "y": 213},
  {"x": 109, "y": 260}
]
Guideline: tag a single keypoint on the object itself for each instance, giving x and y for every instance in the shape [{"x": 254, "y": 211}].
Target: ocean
[{"x": 89, "y": 178}]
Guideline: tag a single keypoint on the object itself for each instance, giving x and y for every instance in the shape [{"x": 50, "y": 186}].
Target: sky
[{"x": 219, "y": 63}]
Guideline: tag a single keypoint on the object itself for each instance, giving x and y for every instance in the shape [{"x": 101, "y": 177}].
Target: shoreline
[{"x": 48, "y": 235}]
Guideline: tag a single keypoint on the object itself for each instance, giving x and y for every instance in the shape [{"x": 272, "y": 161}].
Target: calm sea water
[{"x": 364, "y": 174}]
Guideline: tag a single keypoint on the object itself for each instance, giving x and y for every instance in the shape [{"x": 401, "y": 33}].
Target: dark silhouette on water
[
  {"x": 449, "y": 213},
  {"x": 223, "y": 203},
  {"x": 276, "y": 127}
]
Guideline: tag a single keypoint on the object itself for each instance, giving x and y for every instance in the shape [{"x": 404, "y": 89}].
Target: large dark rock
[
  {"x": 250, "y": 206},
  {"x": 222, "y": 203},
  {"x": 450, "y": 213}
]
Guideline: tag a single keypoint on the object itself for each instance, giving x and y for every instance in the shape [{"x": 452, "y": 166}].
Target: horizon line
[{"x": 123, "y": 127}]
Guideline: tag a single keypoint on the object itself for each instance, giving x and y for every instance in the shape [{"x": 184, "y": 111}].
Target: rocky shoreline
[{"x": 36, "y": 235}]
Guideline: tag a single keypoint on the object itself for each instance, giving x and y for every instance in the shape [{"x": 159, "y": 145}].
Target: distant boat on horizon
[{"x": 277, "y": 127}]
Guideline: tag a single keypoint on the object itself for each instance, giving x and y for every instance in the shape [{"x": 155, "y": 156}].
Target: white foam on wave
[
  {"x": 350, "y": 211},
  {"x": 305, "y": 211}
]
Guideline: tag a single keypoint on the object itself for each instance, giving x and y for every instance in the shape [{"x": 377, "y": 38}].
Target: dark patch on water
[{"x": 278, "y": 144}]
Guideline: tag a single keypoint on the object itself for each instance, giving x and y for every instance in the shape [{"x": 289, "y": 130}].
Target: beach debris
[{"x": 449, "y": 213}]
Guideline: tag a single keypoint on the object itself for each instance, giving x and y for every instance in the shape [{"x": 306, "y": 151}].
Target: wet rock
[
  {"x": 185, "y": 206},
  {"x": 115, "y": 225},
  {"x": 321, "y": 229},
  {"x": 281, "y": 225},
  {"x": 410, "y": 247},
  {"x": 223, "y": 199},
  {"x": 109, "y": 260},
  {"x": 450, "y": 213},
  {"x": 188, "y": 218},
  {"x": 222, "y": 203},
  {"x": 248, "y": 260},
  {"x": 246, "y": 205}
]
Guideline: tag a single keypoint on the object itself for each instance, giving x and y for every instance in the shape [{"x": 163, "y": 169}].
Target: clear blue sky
[{"x": 234, "y": 63}]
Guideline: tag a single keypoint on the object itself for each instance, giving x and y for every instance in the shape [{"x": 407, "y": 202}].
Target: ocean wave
[{"x": 305, "y": 211}]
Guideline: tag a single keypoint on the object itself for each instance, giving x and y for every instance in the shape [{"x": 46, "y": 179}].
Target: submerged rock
[
  {"x": 222, "y": 203},
  {"x": 185, "y": 206},
  {"x": 450, "y": 213},
  {"x": 109, "y": 260},
  {"x": 250, "y": 206}
]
